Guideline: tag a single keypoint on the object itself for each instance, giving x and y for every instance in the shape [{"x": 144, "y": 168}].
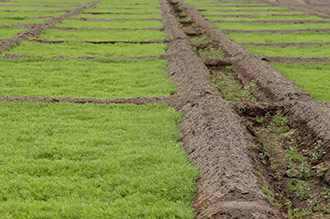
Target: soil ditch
[{"x": 275, "y": 132}]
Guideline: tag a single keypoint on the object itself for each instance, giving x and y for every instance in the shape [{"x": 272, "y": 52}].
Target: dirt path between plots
[{"x": 229, "y": 187}]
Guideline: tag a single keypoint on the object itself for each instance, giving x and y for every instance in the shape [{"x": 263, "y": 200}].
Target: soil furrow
[
  {"x": 170, "y": 100},
  {"x": 98, "y": 42},
  {"x": 214, "y": 140},
  {"x": 285, "y": 44}
]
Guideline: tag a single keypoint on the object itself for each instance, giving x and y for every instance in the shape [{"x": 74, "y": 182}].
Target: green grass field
[
  {"x": 93, "y": 161},
  {"x": 271, "y": 26},
  {"x": 76, "y": 49},
  {"x": 118, "y": 10},
  {"x": 314, "y": 78},
  {"x": 239, "y": 8},
  {"x": 118, "y": 16},
  {"x": 305, "y": 52},
  {"x": 103, "y": 35},
  {"x": 34, "y": 9},
  {"x": 22, "y": 15},
  {"x": 23, "y": 21},
  {"x": 257, "y": 12},
  {"x": 7, "y": 32},
  {"x": 298, "y": 37},
  {"x": 265, "y": 18},
  {"x": 84, "y": 79},
  {"x": 111, "y": 24}
]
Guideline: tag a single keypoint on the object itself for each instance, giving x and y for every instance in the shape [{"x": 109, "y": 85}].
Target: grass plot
[
  {"x": 93, "y": 161},
  {"x": 84, "y": 79},
  {"x": 76, "y": 49},
  {"x": 314, "y": 78},
  {"x": 7, "y": 32}
]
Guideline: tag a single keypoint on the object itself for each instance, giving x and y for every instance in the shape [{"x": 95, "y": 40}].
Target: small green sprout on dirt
[
  {"x": 229, "y": 67},
  {"x": 320, "y": 170},
  {"x": 199, "y": 40},
  {"x": 304, "y": 171},
  {"x": 232, "y": 89},
  {"x": 187, "y": 18},
  {"x": 326, "y": 193},
  {"x": 279, "y": 123},
  {"x": 319, "y": 151},
  {"x": 302, "y": 190},
  {"x": 210, "y": 53}
]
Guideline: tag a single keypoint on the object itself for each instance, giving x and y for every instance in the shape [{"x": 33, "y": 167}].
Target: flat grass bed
[
  {"x": 271, "y": 26},
  {"x": 20, "y": 20},
  {"x": 22, "y": 15},
  {"x": 318, "y": 51},
  {"x": 111, "y": 24},
  {"x": 85, "y": 79},
  {"x": 102, "y": 35},
  {"x": 93, "y": 161},
  {"x": 263, "y": 18},
  {"x": 118, "y": 16},
  {"x": 240, "y": 8},
  {"x": 34, "y": 9},
  {"x": 126, "y": 5},
  {"x": 258, "y": 12},
  {"x": 210, "y": 3},
  {"x": 118, "y": 10},
  {"x": 314, "y": 78},
  {"x": 76, "y": 49},
  {"x": 7, "y": 32},
  {"x": 297, "y": 37}
]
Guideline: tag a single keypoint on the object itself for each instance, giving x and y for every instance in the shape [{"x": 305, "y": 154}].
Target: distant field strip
[
  {"x": 312, "y": 77},
  {"x": 93, "y": 161}
]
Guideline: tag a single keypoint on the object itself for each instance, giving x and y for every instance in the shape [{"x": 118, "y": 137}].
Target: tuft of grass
[
  {"x": 210, "y": 53},
  {"x": 76, "y": 49},
  {"x": 84, "y": 79},
  {"x": 93, "y": 161}
]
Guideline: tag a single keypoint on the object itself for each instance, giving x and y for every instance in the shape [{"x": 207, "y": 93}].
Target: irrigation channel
[{"x": 251, "y": 82}]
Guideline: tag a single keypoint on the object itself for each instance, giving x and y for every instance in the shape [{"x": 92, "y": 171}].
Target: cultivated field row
[{"x": 93, "y": 94}]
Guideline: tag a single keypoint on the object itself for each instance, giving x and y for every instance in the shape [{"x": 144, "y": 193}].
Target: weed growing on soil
[
  {"x": 103, "y": 35},
  {"x": 85, "y": 79},
  {"x": 76, "y": 49},
  {"x": 210, "y": 53},
  {"x": 289, "y": 168},
  {"x": 93, "y": 161},
  {"x": 111, "y": 24},
  {"x": 304, "y": 52},
  {"x": 231, "y": 89},
  {"x": 198, "y": 40},
  {"x": 312, "y": 77}
]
